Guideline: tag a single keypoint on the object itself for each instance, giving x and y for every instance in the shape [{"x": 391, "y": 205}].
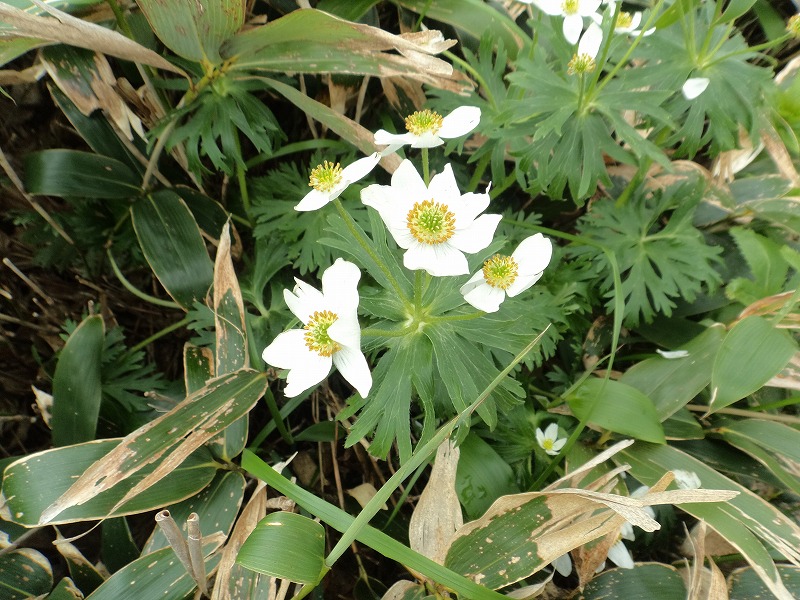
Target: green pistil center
[
  {"x": 316, "y": 336},
  {"x": 547, "y": 444},
  {"x": 580, "y": 64},
  {"x": 424, "y": 121},
  {"x": 431, "y": 222},
  {"x": 325, "y": 177},
  {"x": 624, "y": 20},
  {"x": 570, "y": 7},
  {"x": 500, "y": 272}
]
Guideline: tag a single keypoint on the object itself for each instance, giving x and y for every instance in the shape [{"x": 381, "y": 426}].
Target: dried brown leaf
[
  {"x": 364, "y": 493},
  {"x": 63, "y": 28},
  {"x": 437, "y": 516}
]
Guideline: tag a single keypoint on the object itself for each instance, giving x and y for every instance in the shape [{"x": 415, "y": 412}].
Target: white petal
[
  {"x": 287, "y": 350},
  {"x": 307, "y": 375},
  {"x": 686, "y": 480},
  {"x": 439, "y": 260},
  {"x": 635, "y": 20},
  {"x": 591, "y": 40},
  {"x": 360, "y": 168},
  {"x": 573, "y": 25},
  {"x": 533, "y": 254},
  {"x": 443, "y": 187},
  {"x": 522, "y": 283},
  {"x": 619, "y": 555},
  {"x": 468, "y": 207},
  {"x": 340, "y": 286},
  {"x": 485, "y": 297},
  {"x": 477, "y": 236},
  {"x": 384, "y": 138},
  {"x": 403, "y": 236},
  {"x": 551, "y": 433},
  {"x": 426, "y": 140},
  {"x": 563, "y": 564},
  {"x": 626, "y": 532},
  {"x": 304, "y": 300},
  {"x": 540, "y": 437},
  {"x": 346, "y": 331},
  {"x": 314, "y": 200},
  {"x": 460, "y": 122},
  {"x": 377, "y": 196},
  {"x": 354, "y": 368},
  {"x": 407, "y": 180},
  {"x": 587, "y": 7},
  {"x": 473, "y": 282},
  {"x": 558, "y": 445},
  {"x": 694, "y": 86}
]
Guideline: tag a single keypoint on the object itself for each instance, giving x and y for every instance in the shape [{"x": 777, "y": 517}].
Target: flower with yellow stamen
[
  {"x": 328, "y": 180},
  {"x": 428, "y": 129}
]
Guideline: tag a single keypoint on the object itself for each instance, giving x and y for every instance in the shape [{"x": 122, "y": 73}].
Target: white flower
[
  {"x": 573, "y": 12},
  {"x": 331, "y": 334},
  {"x": 588, "y": 47},
  {"x": 549, "y": 440},
  {"x": 694, "y": 86},
  {"x": 435, "y": 225},
  {"x": 329, "y": 180},
  {"x": 626, "y": 22},
  {"x": 428, "y": 129},
  {"x": 508, "y": 275},
  {"x": 618, "y": 553},
  {"x": 563, "y": 564},
  {"x": 686, "y": 480}
]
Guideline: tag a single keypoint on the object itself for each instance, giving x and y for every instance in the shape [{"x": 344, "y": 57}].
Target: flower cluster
[{"x": 431, "y": 221}]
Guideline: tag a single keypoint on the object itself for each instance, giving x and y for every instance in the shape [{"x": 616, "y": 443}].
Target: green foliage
[{"x": 661, "y": 256}]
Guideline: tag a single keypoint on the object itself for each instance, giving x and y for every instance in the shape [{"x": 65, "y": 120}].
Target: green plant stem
[
  {"x": 159, "y": 334},
  {"x": 418, "y": 457},
  {"x": 351, "y": 225},
  {"x": 285, "y": 411},
  {"x": 277, "y": 418},
  {"x": 418, "y": 276},
  {"x": 426, "y": 168},
  {"x": 135, "y": 291},
  {"x": 122, "y": 22}
]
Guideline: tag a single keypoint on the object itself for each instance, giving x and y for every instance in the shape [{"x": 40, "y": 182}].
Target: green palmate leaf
[
  {"x": 72, "y": 173},
  {"x": 311, "y": 41},
  {"x": 286, "y": 545},
  {"x": 24, "y": 573},
  {"x": 752, "y": 352},
  {"x": 77, "y": 388},
  {"x": 195, "y": 30},
  {"x": 775, "y": 445},
  {"x": 741, "y": 521},
  {"x": 173, "y": 246},
  {"x": 473, "y": 17},
  {"x": 156, "y": 575},
  {"x": 673, "y": 383},
  {"x": 735, "y": 9},
  {"x": 217, "y": 506},
  {"x": 34, "y": 482},
  {"x": 172, "y": 436},
  {"x": 482, "y": 476},
  {"x": 744, "y": 583},
  {"x": 618, "y": 407},
  {"x": 644, "y": 582}
]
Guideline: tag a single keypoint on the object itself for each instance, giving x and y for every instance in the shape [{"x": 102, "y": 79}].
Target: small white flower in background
[
  {"x": 686, "y": 480},
  {"x": 672, "y": 354},
  {"x": 436, "y": 224},
  {"x": 618, "y": 553},
  {"x": 549, "y": 440},
  {"x": 508, "y": 275},
  {"x": 694, "y": 86},
  {"x": 588, "y": 47},
  {"x": 329, "y": 180},
  {"x": 428, "y": 129},
  {"x": 330, "y": 336},
  {"x": 626, "y": 22},
  {"x": 573, "y": 12},
  {"x": 563, "y": 564}
]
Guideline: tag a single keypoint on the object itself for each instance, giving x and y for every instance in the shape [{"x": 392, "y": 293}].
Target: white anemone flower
[
  {"x": 549, "y": 440},
  {"x": 428, "y": 129},
  {"x": 686, "y": 480},
  {"x": 626, "y": 22},
  {"x": 508, "y": 275},
  {"x": 330, "y": 336},
  {"x": 589, "y": 45},
  {"x": 436, "y": 224},
  {"x": 694, "y": 86},
  {"x": 329, "y": 180},
  {"x": 573, "y": 12},
  {"x": 618, "y": 553}
]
